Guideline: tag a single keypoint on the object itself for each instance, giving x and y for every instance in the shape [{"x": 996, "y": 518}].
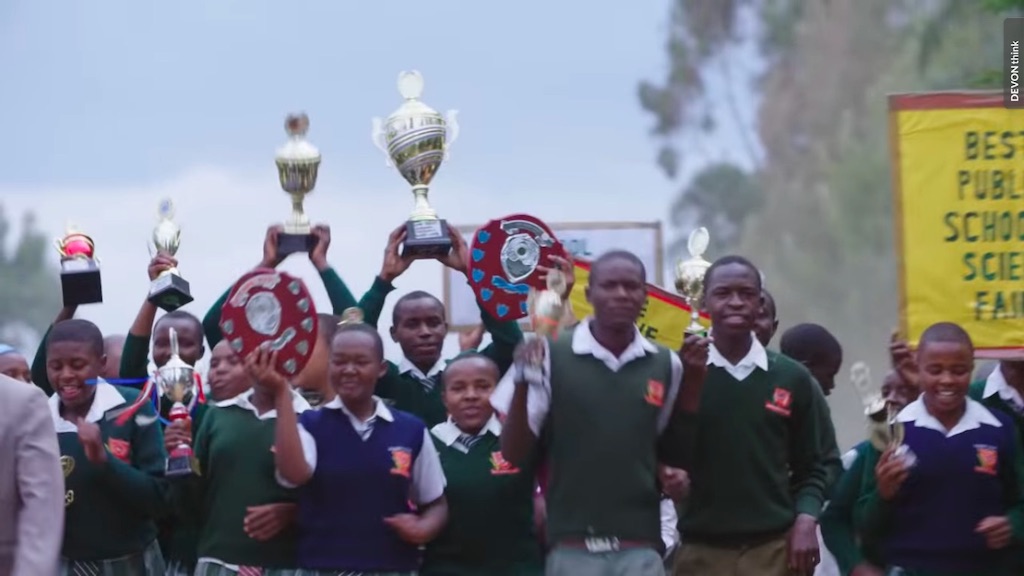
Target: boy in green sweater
[
  {"x": 765, "y": 446},
  {"x": 113, "y": 467},
  {"x": 419, "y": 327},
  {"x": 767, "y": 321}
]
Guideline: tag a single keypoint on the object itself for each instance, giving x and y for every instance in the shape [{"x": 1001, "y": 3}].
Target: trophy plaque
[
  {"x": 169, "y": 291},
  {"x": 79, "y": 269},
  {"x": 177, "y": 380},
  {"x": 297, "y": 164},
  {"x": 690, "y": 277},
  {"x": 270, "y": 308},
  {"x": 416, "y": 139},
  {"x": 504, "y": 256}
]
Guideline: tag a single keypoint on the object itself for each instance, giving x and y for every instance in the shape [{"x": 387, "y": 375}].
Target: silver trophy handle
[
  {"x": 451, "y": 131},
  {"x": 174, "y": 342},
  {"x": 377, "y": 136}
]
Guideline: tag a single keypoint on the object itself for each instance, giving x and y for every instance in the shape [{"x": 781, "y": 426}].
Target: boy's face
[
  {"x": 945, "y": 375},
  {"x": 766, "y": 322},
  {"x": 617, "y": 292},
  {"x": 897, "y": 392},
  {"x": 824, "y": 371},
  {"x": 69, "y": 365},
  {"x": 227, "y": 376},
  {"x": 420, "y": 330},
  {"x": 14, "y": 365},
  {"x": 468, "y": 384},
  {"x": 733, "y": 298},
  {"x": 190, "y": 341},
  {"x": 356, "y": 364}
]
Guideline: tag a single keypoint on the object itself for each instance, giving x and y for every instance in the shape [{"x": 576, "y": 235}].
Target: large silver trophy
[
  {"x": 298, "y": 162},
  {"x": 690, "y": 277},
  {"x": 169, "y": 291},
  {"x": 416, "y": 139},
  {"x": 177, "y": 380}
]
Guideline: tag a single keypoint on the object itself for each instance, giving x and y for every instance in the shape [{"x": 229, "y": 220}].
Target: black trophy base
[
  {"x": 179, "y": 466},
  {"x": 426, "y": 239},
  {"x": 80, "y": 283},
  {"x": 288, "y": 244},
  {"x": 169, "y": 292}
]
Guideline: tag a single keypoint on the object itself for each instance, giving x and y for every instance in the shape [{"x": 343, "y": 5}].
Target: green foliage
[{"x": 29, "y": 289}]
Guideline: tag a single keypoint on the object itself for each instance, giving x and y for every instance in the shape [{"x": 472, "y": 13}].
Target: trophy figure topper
[
  {"x": 298, "y": 162},
  {"x": 547, "y": 311},
  {"x": 79, "y": 269},
  {"x": 416, "y": 139},
  {"x": 169, "y": 291},
  {"x": 690, "y": 277},
  {"x": 177, "y": 380}
]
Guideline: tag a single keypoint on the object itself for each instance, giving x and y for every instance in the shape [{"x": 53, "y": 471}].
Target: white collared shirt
[
  {"x": 449, "y": 433},
  {"x": 757, "y": 357},
  {"x": 538, "y": 400},
  {"x": 107, "y": 398},
  {"x": 996, "y": 384},
  {"x": 244, "y": 401},
  {"x": 427, "y": 477},
  {"x": 405, "y": 366},
  {"x": 669, "y": 525},
  {"x": 975, "y": 415}
]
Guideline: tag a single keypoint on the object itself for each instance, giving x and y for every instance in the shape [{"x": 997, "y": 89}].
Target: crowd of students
[{"x": 619, "y": 457}]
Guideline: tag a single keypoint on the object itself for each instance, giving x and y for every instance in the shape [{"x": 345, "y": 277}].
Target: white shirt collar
[
  {"x": 757, "y": 357},
  {"x": 584, "y": 343},
  {"x": 380, "y": 409},
  {"x": 996, "y": 384},
  {"x": 107, "y": 398},
  {"x": 244, "y": 401},
  {"x": 974, "y": 416},
  {"x": 448, "y": 432},
  {"x": 405, "y": 366}
]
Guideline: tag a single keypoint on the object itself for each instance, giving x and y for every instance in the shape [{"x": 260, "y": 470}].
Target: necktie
[
  {"x": 249, "y": 571},
  {"x": 85, "y": 568},
  {"x": 367, "y": 429},
  {"x": 468, "y": 441},
  {"x": 429, "y": 382}
]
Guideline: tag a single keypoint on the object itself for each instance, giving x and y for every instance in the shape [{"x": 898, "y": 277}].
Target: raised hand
[
  {"x": 318, "y": 254},
  {"x": 458, "y": 258},
  {"x": 271, "y": 259},
  {"x": 159, "y": 263},
  {"x": 563, "y": 264},
  {"x": 394, "y": 263},
  {"x": 177, "y": 433},
  {"x": 890, "y": 472},
  {"x": 471, "y": 339},
  {"x": 261, "y": 364}
]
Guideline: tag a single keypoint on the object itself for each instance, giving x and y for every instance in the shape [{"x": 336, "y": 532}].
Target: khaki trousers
[{"x": 768, "y": 559}]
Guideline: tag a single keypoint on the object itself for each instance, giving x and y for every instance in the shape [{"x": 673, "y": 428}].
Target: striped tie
[
  {"x": 468, "y": 441},
  {"x": 80, "y": 568},
  {"x": 249, "y": 571},
  {"x": 368, "y": 427},
  {"x": 429, "y": 382}
]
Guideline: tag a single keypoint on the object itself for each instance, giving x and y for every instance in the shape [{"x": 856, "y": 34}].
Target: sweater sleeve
[
  {"x": 837, "y": 527},
  {"x": 1014, "y": 483},
  {"x": 141, "y": 484},
  {"x": 341, "y": 297},
  {"x": 135, "y": 357},
  {"x": 815, "y": 459},
  {"x": 372, "y": 303},
  {"x": 39, "y": 375},
  {"x": 505, "y": 336},
  {"x": 211, "y": 322}
]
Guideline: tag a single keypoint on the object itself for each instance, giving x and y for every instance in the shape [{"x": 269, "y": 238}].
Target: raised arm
[
  {"x": 394, "y": 264},
  {"x": 135, "y": 354},
  {"x": 337, "y": 291},
  {"x": 39, "y": 375},
  {"x": 525, "y": 405}
]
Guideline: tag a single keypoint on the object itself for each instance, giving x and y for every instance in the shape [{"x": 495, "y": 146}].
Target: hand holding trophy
[
  {"x": 169, "y": 291},
  {"x": 298, "y": 163},
  {"x": 177, "y": 380},
  {"x": 690, "y": 277},
  {"x": 416, "y": 139},
  {"x": 80, "y": 272}
]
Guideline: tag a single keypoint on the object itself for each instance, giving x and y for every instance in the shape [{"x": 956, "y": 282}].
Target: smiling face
[
  {"x": 14, "y": 365},
  {"x": 945, "y": 375},
  {"x": 420, "y": 329},
  {"x": 69, "y": 366},
  {"x": 733, "y": 298},
  {"x": 468, "y": 384},
  {"x": 227, "y": 376},
  {"x": 356, "y": 364}
]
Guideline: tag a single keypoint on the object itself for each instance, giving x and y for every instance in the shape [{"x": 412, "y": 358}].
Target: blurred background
[{"x": 764, "y": 120}]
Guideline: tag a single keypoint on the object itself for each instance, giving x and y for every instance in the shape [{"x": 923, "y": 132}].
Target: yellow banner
[
  {"x": 663, "y": 320},
  {"x": 959, "y": 216}
]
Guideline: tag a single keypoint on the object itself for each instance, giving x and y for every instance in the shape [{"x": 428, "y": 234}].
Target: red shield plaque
[
  {"x": 504, "y": 256},
  {"x": 267, "y": 306}
]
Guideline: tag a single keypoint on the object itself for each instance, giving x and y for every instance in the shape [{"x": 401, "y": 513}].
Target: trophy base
[
  {"x": 426, "y": 239},
  {"x": 169, "y": 292},
  {"x": 288, "y": 244},
  {"x": 179, "y": 463},
  {"x": 80, "y": 283}
]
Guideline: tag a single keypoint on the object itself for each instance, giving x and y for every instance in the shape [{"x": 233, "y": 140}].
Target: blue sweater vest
[
  {"x": 956, "y": 482},
  {"x": 356, "y": 484}
]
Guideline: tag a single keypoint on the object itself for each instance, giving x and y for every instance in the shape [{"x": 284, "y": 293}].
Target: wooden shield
[
  {"x": 504, "y": 256},
  {"x": 267, "y": 306}
]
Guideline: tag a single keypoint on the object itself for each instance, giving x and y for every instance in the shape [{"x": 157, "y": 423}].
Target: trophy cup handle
[
  {"x": 451, "y": 131},
  {"x": 377, "y": 135}
]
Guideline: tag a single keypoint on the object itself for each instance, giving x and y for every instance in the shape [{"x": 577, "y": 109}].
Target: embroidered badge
[
  {"x": 655, "y": 393},
  {"x": 780, "y": 402},
  {"x": 500, "y": 466},
  {"x": 401, "y": 459},
  {"x": 988, "y": 459},
  {"x": 121, "y": 449},
  {"x": 67, "y": 464}
]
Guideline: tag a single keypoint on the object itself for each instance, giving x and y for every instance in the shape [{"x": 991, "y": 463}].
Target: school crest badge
[
  {"x": 401, "y": 462},
  {"x": 780, "y": 402},
  {"x": 988, "y": 459},
  {"x": 121, "y": 449},
  {"x": 655, "y": 393},
  {"x": 500, "y": 466},
  {"x": 67, "y": 465}
]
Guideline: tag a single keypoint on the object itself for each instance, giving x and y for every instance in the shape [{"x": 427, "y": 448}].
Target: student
[
  {"x": 113, "y": 345},
  {"x": 14, "y": 365},
  {"x": 360, "y": 465},
  {"x": 765, "y": 446},
  {"x": 418, "y": 325},
  {"x": 39, "y": 376},
  {"x": 113, "y": 473},
  {"x": 313, "y": 382},
  {"x": 490, "y": 528},
  {"x": 767, "y": 321},
  {"x": 957, "y": 508},
  {"x": 612, "y": 393},
  {"x": 817, "y": 349}
]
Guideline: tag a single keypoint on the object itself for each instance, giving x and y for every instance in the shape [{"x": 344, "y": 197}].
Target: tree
[
  {"x": 29, "y": 290},
  {"x": 722, "y": 196}
]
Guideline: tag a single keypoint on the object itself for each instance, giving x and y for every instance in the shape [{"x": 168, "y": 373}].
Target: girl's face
[
  {"x": 468, "y": 384},
  {"x": 14, "y": 365},
  {"x": 227, "y": 376},
  {"x": 356, "y": 365},
  {"x": 897, "y": 392},
  {"x": 945, "y": 375},
  {"x": 71, "y": 367}
]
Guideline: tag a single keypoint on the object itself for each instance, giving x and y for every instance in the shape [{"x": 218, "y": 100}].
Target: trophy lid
[
  {"x": 165, "y": 210},
  {"x": 410, "y": 86},
  {"x": 297, "y": 149}
]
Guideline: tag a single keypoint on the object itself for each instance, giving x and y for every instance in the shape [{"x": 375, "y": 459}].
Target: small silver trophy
[
  {"x": 690, "y": 277},
  {"x": 177, "y": 380},
  {"x": 169, "y": 291},
  {"x": 547, "y": 312},
  {"x": 416, "y": 139},
  {"x": 884, "y": 427},
  {"x": 298, "y": 162}
]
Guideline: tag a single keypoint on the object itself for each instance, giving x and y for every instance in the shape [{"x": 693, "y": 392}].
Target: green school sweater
[
  {"x": 838, "y": 526},
  {"x": 179, "y": 537},
  {"x": 404, "y": 391},
  {"x": 115, "y": 504},
  {"x": 765, "y": 451},
  {"x": 236, "y": 471},
  {"x": 339, "y": 294},
  {"x": 490, "y": 516}
]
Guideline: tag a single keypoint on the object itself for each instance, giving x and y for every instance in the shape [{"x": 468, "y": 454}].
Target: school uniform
[
  {"x": 598, "y": 417},
  {"x": 110, "y": 509},
  {"x": 234, "y": 449},
  {"x": 839, "y": 525},
  {"x": 490, "y": 528},
  {"x": 363, "y": 471},
  {"x": 409, "y": 389},
  {"x": 765, "y": 452},
  {"x": 961, "y": 476}
]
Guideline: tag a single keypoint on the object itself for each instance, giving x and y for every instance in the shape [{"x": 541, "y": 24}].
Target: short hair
[
  {"x": 470, "y": 355},
  {"x": 809, "y": 343},
  {"x": 187, "y": 317},
  {"x": 327, "y": 326},
  {"x": 79, "y": 331},
  {"x": 378, "y": 342},
  {"x": 949, "y": 332},
  {"x": 731, "y": 259},
  {"x": 414, "y": 295},
  {"x": 610, "y": 255},
  {"x": 769, "y": 300}
]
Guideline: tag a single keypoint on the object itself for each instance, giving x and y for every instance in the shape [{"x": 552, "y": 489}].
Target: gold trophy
[
  {"x": 690, "y": 277},
  {"x": 79, "y": 269},
  {"x": 169, "y": 291},
  {"x": 177, "y": 380},
  {"x": 416, "y": 139},
  {"x": 298, "y": 162}
]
